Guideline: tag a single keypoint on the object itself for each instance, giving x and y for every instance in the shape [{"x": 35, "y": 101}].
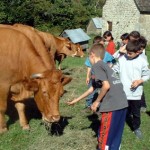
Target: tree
[{"x": 50, "y": 14}]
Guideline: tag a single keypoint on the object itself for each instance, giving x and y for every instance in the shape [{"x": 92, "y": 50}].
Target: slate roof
[
  {"x": 97, "y": 22},
  {"x": 143, "y": 5},
  {"x": 76, "y": 35}
]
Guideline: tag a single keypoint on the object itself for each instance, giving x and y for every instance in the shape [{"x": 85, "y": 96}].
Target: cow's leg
[
  {"x": 22, "y": 118},
  {"x": 3, "y": 107}
]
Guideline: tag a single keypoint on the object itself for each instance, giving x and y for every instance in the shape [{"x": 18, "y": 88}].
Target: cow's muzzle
[{"x": 51, "y": 119}]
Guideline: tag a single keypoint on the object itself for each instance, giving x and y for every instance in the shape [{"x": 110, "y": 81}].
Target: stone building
[
  {"x": 120, "y": 16},
  {"x": 94, "y": 26}
]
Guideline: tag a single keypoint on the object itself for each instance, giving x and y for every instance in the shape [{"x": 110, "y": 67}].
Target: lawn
[{"x": 77, "y": 129}]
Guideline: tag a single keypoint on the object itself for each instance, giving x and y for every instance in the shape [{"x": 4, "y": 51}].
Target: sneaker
[
  {"x": 138, "y": 133},
  {"x": 143, "y": 109}
]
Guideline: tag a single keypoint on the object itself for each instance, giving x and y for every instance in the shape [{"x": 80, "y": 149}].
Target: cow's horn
[{"x": 37, "y": 75}]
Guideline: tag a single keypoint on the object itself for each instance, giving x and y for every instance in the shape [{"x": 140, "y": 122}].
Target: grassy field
[{"x": 77, "y": 129}]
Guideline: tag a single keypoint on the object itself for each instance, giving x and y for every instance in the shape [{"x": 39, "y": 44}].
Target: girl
[{"x": 111, "y": 45}]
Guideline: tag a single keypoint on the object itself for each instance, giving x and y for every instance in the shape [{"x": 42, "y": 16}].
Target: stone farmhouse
[{"x": 120, "y": 16}]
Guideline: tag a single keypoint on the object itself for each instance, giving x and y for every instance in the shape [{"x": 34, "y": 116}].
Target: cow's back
[
  {"x": 38, "y": 43},
  {"x": 18, "y": 57}
]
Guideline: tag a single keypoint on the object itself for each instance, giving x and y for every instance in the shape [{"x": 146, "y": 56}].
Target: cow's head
[
  {"x": 47, "y": 88},
  {"x": 50, "y": 88},
  {"x": 78, "y": 49}
]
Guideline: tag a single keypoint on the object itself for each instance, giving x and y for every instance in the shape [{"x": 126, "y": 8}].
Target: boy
[
  {"x": 133, "y": 71},
  {"x": 134, "y": 35},
  {"x": 111, "y": 101},
  {"x": 125, "y": 38},
  {"x": 107, "y": 59}
]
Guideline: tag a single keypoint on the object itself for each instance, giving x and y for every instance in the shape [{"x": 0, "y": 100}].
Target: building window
[{"x": 109, "y": 25}]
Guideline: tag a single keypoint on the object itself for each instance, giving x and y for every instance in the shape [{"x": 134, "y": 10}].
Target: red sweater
[{"x": 111, "y": 47}]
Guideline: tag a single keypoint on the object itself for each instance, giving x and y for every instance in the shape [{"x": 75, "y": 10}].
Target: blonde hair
[{"x": 98, "y": 50}]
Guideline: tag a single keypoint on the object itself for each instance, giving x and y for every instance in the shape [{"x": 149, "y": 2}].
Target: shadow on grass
[
  {"x": 31, "y": 111},
  {"x": 58, "y": 128},
  {"x": 95, "y": 123},
  {"x": 148, "y": 113}
]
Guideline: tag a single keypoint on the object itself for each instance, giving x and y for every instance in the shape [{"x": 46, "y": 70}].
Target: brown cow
[
  {"x": 60, "y": 47},
  {"x": 36, "y": 41},
  {"x": 21, "y": 64},
  {"x": 73, "y": 47}
]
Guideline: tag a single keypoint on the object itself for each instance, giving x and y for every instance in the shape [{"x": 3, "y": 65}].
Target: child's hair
[
  {"x": 98, "y": 39},
  {"x": 143, "y": 42},
  {"x": 98, "y": 50},
  {"x": 133, "y": 46},
  {"x": 106, "y": 34},
  {"x": 124, "y": 36},
  {"x": 135, "y": 35}
]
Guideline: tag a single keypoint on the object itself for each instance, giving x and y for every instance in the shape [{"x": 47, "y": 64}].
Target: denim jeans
[{"x": 92, "y": 97}]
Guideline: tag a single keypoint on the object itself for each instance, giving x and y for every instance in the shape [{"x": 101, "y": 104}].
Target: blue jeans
[{"x": 92, "y": 97}]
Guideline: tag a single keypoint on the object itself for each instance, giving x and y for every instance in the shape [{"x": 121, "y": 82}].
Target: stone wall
[
  {"x": 124, "y": 16},
  {"x": 145, "y": 26}
]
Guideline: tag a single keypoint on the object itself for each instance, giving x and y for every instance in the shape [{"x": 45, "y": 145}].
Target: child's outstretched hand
[{"x": 72, "y": 102}]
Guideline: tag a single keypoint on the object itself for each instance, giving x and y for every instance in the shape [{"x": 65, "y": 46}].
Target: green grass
[{"x": 79, "y": 128}]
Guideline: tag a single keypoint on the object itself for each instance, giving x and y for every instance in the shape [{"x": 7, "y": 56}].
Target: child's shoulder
[
  {"x": 101, "y": 64},
  {"x": 87, "y": 62}
]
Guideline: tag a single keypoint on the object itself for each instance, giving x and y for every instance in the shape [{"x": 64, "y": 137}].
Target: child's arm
[
  {"x": 144, "y": 77},
  {"x": 103, "y": 91},
  {"x": 136, "y": 83},
  {"x": 88, "y": 75},
  {"x": 85, "y": 94}
]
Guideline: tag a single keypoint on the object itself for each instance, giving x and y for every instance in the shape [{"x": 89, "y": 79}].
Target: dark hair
[
  {"x": 106, "y": 34},
  {"x": 98, "y": 39},
  {"x": 135, "y": 34},
  {"x": 133, "y": 46},
  {"x": 124, "y": 36},
  {"x": 143, "y": 42}
]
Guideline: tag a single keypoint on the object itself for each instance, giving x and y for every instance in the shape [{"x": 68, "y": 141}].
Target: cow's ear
[
  {"x": 65, "y": 80},
  {"x": 31, "y": 85}
]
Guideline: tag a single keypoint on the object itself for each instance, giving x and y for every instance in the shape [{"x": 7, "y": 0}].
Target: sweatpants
[
  {"x": 133, "y": 114},
  {"x": 111, "y": 129}
]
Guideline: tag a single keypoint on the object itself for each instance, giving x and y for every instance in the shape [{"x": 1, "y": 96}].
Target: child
[
  {"x": 111, "y": 45},
  {"x": 134, "y": 36},
  {"x": 133, "y": 71},
  {"x": 107, "y": 59},
  {"x": 111, "y": 101},
  {"x": 125, "y": 38}
]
